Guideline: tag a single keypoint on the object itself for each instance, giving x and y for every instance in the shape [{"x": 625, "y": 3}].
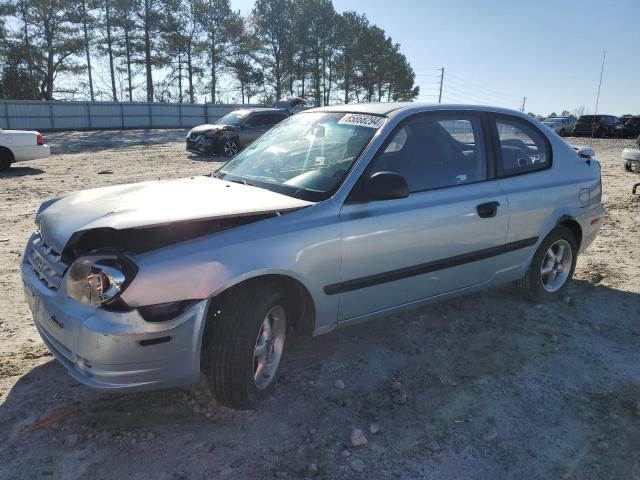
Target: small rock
[
  {"x": 595, "y": 277},
  {"x": 554, "y": 338},
  {"x": 375, "y": 428},
  {"x": 313, "y": 469},
  {"x": 358, "y": 438},
  {"x": 396, "y": 386},
  {"x": 105, "y": 172},
  {"x": 491, "y": 437},
  {"x": 447, "y": 381},
  {"x": 400, "y": 398},
  {"x": 434, "y": 446},
  {"x": 103, "y": 438},
  {"x": 603, "y": 445},
  {"x": 357, "y": 465},
  {"x": 71, "y": 440},
  {"x": 346, "y": 452},
  {"x": 339, "y": 384},
  {"x": 568, "y": 300}
]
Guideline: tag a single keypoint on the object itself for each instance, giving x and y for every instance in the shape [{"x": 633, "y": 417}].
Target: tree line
[{"x": 186, "y": 50}]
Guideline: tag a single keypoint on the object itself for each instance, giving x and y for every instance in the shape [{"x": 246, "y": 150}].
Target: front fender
[{"x": 306, "y": 250}]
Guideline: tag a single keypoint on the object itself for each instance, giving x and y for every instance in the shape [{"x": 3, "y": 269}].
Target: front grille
[{"x": 46, "y": 263}]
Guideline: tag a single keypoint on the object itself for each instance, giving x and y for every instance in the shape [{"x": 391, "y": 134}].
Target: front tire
[
  {"x": 552, "y": 266},
  {"x": 247, "y": 345},
  {"x": 230, "y": 147}
]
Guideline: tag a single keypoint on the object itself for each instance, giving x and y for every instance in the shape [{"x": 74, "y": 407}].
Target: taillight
[{"x": 39, "y": 139}]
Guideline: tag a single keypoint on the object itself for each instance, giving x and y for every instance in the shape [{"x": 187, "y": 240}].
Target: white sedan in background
[
  {"x": 19, "y": 145},
  {"x": 561, "y": 125}
]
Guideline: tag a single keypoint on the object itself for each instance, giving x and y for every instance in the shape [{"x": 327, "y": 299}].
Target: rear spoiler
[{"x": 585, "y": 152}]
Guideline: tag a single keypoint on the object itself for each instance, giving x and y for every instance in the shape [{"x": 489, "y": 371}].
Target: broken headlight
[{"x": 99, "y": 281}]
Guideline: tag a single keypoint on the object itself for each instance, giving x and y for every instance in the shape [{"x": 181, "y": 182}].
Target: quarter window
[
  {"x": 434, "y": 151},
  {"x": 522, "y": 147}
]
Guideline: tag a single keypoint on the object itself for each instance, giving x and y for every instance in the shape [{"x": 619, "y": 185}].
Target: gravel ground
[{"x": 482, "y": 387}]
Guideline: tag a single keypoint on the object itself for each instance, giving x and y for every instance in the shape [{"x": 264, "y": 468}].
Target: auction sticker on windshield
[{"x": 360, "y": 120}]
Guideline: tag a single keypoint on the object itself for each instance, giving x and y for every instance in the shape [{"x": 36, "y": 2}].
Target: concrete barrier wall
[{"x": 39, "y": 115}]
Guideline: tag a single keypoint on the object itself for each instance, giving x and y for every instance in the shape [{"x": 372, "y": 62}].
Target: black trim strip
[{"x": 428, "y": 267}]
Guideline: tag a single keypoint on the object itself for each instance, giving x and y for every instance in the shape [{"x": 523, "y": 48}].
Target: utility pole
[
  {"x": 604, "y": 54},
  {"x": 524, "y": 101},
  {"x": 441, "y": 81}
]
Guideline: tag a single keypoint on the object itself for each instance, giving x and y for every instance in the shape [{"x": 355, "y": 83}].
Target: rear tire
[
  {"x": 247, "y": 345},
  {"x": 552, "y": 266},
  {"x": 6, "y": 159},
  {"x": 562, "y": 132}
]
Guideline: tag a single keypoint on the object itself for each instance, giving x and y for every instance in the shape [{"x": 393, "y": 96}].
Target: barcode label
[{"x": 362, "y": 120}]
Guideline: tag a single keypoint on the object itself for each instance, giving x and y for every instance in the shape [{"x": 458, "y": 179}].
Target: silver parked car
[
  {"x": 335, "y": 216},
  {"x": 561, "y": 125}
]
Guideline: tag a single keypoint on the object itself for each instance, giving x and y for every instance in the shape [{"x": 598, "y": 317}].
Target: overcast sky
[{"x": 499, "y": 51}]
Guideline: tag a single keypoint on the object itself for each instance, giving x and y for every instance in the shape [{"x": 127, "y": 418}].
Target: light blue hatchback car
[{"x": 335, "y": 216}]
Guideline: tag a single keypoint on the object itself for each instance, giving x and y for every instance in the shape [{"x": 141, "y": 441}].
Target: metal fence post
[
  {"x": 122, "y": 114},
  {"x": 180, "y": 114},
  {"x": 88, "y": 114},
  {"x": 50, "y": 102},
  {"x": 6, "y": 115},
  {"x": 150, "y": 118}
]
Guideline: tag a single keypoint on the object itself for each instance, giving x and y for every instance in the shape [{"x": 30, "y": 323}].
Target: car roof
[
  {"x": 247, "y": 111},
  {"x": 392, "y": 109}
]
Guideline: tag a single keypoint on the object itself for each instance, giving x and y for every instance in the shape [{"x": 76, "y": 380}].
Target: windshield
[
  {"x": 306, "y": 156},
  {"x": 233, "y": 118}
]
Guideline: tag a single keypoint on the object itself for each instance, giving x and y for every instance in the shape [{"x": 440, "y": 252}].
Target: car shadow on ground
[
  {"x": 488, "y": 365},
  {"x": 207, "y": 157},
  {"x": 20, "y": 172},
  {"x": 68, "y": 142}
]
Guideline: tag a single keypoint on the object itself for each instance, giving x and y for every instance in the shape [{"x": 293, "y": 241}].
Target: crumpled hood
[
  {"x": 208, "y": 128},
  {"x": 155, "y": 203}
]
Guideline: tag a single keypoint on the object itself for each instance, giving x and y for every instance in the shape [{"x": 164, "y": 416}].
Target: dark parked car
[
  {"x": 234, "y": 131},
  {"x": 598, "y": 125},
  {"x": 629, "y": 127}
]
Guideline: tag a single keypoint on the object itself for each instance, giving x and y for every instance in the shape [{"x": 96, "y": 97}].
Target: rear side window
[
  {"x": 436, "y": 151},
  {"x": 522, "y": 147}
]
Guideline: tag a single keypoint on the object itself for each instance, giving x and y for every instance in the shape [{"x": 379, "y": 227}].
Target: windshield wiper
[{"x": 241, "y": 181}]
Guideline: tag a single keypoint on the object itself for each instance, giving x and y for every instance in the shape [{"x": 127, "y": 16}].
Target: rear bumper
[
  {"x": 631, "y": 160},
  {"x": 31, "y": 152},
  {"x": 590, "y": 223},
  {"x": 116, "y": 351}
]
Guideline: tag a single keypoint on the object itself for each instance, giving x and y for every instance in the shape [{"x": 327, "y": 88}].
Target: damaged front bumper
[{"x": 115, "y": 351}]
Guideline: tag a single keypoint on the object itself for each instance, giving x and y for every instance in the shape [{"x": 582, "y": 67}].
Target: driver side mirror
[{"x": 385, "y": 186}]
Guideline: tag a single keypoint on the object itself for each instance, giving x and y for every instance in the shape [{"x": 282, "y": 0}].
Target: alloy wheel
[
  {"x": 230, "y": 147},
  {"x": 269, "y": 347},
  {"x": 556, "y": 266}
]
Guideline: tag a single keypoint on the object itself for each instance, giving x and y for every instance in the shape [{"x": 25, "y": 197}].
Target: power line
[
  {"x": 477, "y": 86},
  {"x": 480, "y": 93}
]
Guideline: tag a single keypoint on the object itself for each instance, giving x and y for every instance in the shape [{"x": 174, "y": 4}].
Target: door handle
[{"x": 487, "y": 210}]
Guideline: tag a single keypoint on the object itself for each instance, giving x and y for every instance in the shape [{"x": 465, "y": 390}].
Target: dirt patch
[{"x": 485, "y": 386}]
